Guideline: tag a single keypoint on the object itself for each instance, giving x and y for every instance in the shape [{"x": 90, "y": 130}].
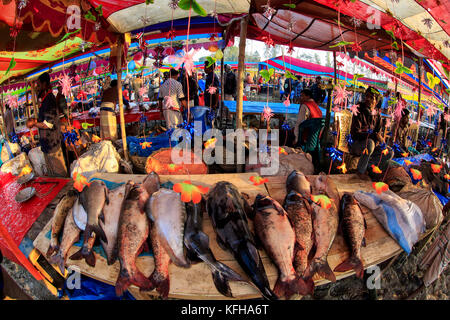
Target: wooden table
[{"x": 196, "y": 282}]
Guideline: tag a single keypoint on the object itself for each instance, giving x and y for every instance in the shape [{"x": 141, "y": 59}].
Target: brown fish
[
  {"x": 151, "y": 183},
  {"x": 133, "y": 233},
  {"x": 299, "y": 213},
  {"x": 160, "y": 278},
  {"x": 296, "y": 181},
  {"x": 71, "y": 234},
  {"x": 110, "y": 226},
  {"x": 353, "y": 226},
  {"x": 275, "y": 232},
  {"x": 93, "y": 200},
  {"x": 325, "y": 225},
  {"x": 64, "y": 206}
]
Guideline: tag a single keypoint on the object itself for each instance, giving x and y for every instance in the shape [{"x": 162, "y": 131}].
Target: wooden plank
[{"x": 185, "y": 283}]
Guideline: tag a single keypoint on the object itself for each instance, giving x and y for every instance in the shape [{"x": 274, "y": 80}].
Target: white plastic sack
[
  {"x": 401, "y": 218},
  {"x": 100, "y": 157},
  {"x": 16, "y": 164},
  {"x": 37, "y": 159}
]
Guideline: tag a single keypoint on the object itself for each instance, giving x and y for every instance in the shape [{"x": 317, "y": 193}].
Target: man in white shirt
[{"x": 170, "y": 97}]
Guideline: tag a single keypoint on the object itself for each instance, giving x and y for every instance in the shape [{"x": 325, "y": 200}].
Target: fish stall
[{"x": 191, "y": 238}]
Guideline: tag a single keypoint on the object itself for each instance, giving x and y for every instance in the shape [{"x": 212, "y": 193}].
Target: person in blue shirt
[
  {"x": 385, "y": 102},
  {"x": 201, "y": 84},
  {"x": 298, "y": 88}
]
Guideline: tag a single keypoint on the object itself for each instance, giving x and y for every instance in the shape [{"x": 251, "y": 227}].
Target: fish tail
[
  {"x": 354, "y": 263},
  {"x": 126, "y": 279},
  {"x": 98, "y": 232},
  {"x": 289, "y": 287},
  {"x": 161, "y": 282},
  {"x": 51, "y": 250},
  {"x": 58, "y": 259},
  {"x": 221, "y": 275},
  {"x": 88, "y": 256},
  {"x": 309, "y": 285},
  {"x": 321, "y": 267}
]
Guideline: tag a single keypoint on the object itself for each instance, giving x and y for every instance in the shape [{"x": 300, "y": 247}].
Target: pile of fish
[{"x": 136, "y": 217}]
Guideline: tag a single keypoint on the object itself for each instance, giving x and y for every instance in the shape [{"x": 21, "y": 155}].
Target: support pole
[
  {"x": 329, "y": 100},
  {"x": 241, "y": 73},
  {"x": 119, "y": 89}
]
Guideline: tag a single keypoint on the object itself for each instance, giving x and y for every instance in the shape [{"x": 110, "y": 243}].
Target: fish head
[
  {"x": 265, "y": 202},
  {"x": 151, "y": 183}
]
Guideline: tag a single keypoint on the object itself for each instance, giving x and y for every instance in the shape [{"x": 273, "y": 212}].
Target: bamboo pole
[
  {"x": 222, "y": 88},
  {"x": 241, "y": 73},
  {"x": 328, "y": 114},
  {"x": 119, "y": 89},
  {"x": 419, "y": 98},
  {"x": 29, "y": 114}
]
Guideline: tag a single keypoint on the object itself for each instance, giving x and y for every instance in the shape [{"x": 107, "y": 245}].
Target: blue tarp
[
  {"x": 158, "y": 142},
  {"x": 415, "y": 159}
]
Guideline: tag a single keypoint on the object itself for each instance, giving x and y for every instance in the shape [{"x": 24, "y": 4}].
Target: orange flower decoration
[
  {"x": 190, "y": 192},
  {"x": 436, "y": 168},
  {"x": 210, "y": 143},
  {"x": 322, "y": 200},
  {"x": 380, "y": 187},
  {"x": 447, "y": 176},
  {"x": 80, "y": 181},
  {"x": 258, "y": 180},
  {"x": 375, "y": 169},
  {"x": 366, "y": 151},
  {"x": 417, "y": 175},
  {"x": 146, "y": 145},
  {"x": 385, "y": 152},
  {"x": 405, "y": 154},
  {"x": 343, "y": 168},
  {"x": 434, "y": 150},
  {"x": 408, "y": 163},
  {"x": 25, "y": 170},
  {"x": 282, "y": 151},
  {"x": 95, "y": 138}
]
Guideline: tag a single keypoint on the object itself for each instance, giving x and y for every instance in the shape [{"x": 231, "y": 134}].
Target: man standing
[
  {"x": 230, "y": 84},
  {"x": 49, "y": 128},
  {"x": 9, "y": 122},
  {"x": 308, "y": 110},
  {"x": 108, "y": 120},
  {"x": 317, "y": 91},
  {"x": 170, "y": 97},
  {"x": 366, "y": 134},
  {"x": 212, "y": 81},
  {"x": 137, "y": 85}
]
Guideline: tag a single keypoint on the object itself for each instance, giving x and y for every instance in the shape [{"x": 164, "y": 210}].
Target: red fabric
[
  {"x": 314, "y": 110},
  {"x": 18, "y": 218},
  {"x": 111, "y": 6},
  {"x": 201, "y": 100},
  {"x": 439, "y": 10}
]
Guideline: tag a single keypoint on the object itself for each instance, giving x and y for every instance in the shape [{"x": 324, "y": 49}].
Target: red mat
[{"x": 18, "y": 218}]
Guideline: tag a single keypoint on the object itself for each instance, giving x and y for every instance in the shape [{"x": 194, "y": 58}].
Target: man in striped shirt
[{"x": 170, "y": 97}]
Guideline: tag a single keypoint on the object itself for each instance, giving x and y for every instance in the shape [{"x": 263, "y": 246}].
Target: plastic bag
[
  {"x": 38, "y": 161},
  {"x": 401, "y": 218},
  {"x": 16, "y": 164},
  {"x": 428, "y": 203},
  {"x": 100, "y": 157}
]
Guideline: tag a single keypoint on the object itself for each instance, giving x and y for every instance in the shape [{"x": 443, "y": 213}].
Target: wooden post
[
  {"x": 222, "y": 88},
  {"x": 241, "y": 73},
  {"x": 329, "y": 100},
  {"x": 119, "y": 89}
]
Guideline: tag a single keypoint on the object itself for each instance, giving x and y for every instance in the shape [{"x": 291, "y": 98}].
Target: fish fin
[
  {"x": 51, "y": 250},
  {"x": 298, "y": 247},
  {"x": 321, "y": 267},
  {"x": 160, "y": 282},
  {"x": 77, "y": 255},
  {"x": 102, "y": 217},
  {"x": 59, "y": 261},
  {"x": 258, "y": 243},
  {"x": 253, "y": 252},
  {"x": 285, "y": 289},
  {"x": 309, "y": 282},
  {"x": 221, "y": 275},
  {"x": 98, "y": 231},
  {"x": 106, "y": 196},
  {"x": 364, "y": 243},
  {"x": 352, "y": 263},
  {"x": 221, "y": 243},
  {"x": 249, "y": 211},
  {"x": 90, "y": 259}
]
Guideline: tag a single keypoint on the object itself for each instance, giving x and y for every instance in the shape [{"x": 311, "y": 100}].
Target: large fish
[
  {"x": 353, "y": 226},
  {"x": 197, "y": 243},
  {"x": 168, "y": 213},
  {"x": 296, "y": 181},
  {"x": 274, "y": 230},
  {"x": 160, "y": 277},
  {"x": 325, "y": 226},
  {"x": 227, "y": 209},
  {"x": 133, "y": 233},
  {"x": 64, "y": 206},
  {"x": 152, "y": 183},
  {"x": 299, "y": 213},
  {"x": 71, "y": 234},
  {"x": 110, "y": 226},
  {"x": 93, "y": 200}
]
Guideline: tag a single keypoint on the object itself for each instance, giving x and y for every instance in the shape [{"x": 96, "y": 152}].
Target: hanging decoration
[
  {"x": 80, "y": 181},
  {"x": 416, "y": 174},
  {"x": 190, "y": 192},
  {"x": 258, "y": 180},
  {"x": 322, "y": 200},
  {"x": 66, "y": 84},
  {"x": 380, "y": 187}
]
